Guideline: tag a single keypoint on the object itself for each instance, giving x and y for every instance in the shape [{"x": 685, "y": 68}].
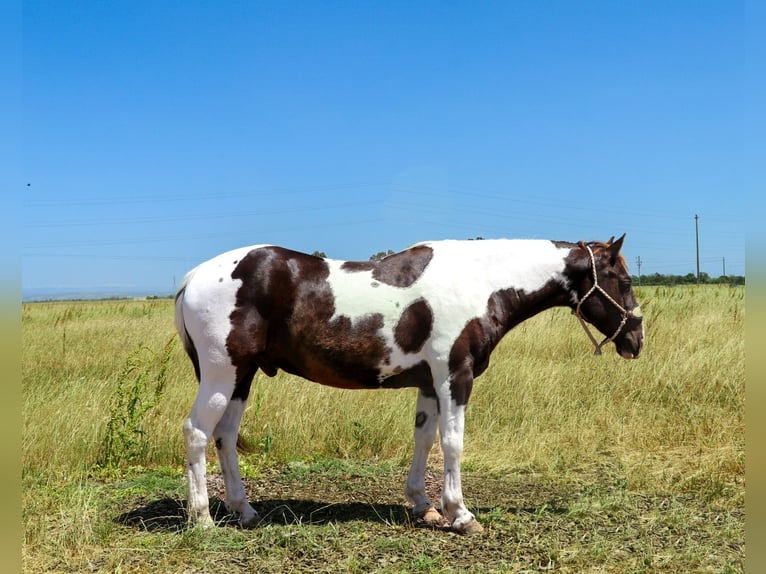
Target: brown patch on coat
[
  {"x": 506, "y": 308},
  {"x": 398, "y": 270},
  {"x": 418, "y": 376},
  {"x": 357, "y": 266},
  {"x": 284, "y": 319},
  {"x": 414, "y": 326}
]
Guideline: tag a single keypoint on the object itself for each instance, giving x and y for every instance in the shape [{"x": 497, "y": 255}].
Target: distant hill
[{"x": 89, "y": 294}]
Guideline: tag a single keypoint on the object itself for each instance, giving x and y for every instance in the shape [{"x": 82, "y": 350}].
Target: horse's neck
[{"x": 514, "y": 306}]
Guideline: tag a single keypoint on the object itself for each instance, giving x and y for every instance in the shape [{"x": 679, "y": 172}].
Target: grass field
[{"x": 573, "y": 463}]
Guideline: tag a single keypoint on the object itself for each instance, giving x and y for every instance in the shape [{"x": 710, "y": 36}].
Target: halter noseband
[{"x": 626, "y": 314}]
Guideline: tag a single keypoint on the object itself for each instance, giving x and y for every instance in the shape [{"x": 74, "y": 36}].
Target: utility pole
[
  {"x": 697, "y": 234},
  {"x": 638, "y": 262},
  {"x": 724, "y": 266}
]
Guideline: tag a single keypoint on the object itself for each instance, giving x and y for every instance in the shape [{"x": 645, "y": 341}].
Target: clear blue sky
[{"x": 158, "y": 134}]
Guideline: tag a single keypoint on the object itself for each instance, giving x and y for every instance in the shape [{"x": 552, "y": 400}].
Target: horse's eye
[{"x": 625, "y": 284}]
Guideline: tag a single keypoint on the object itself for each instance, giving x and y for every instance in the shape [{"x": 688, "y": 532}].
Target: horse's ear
[{"x": 614, "y": 248}]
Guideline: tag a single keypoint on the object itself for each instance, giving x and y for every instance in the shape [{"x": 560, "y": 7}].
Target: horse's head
[{"x": 603, "y": 295}]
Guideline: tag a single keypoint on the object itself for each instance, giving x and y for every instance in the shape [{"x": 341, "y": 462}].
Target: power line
[{"x": 201, "y": 216}]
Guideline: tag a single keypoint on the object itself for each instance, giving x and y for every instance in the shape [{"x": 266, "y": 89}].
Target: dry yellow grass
[
  {"x": 545, "y": 403},
  {"x": 667, "y": 428}
]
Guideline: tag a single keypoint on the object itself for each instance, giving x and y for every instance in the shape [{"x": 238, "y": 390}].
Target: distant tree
[
  {"x": 380, "y": 255},
  {"x": 321, "y": 254},
  {"x": 689, "y": 279}
]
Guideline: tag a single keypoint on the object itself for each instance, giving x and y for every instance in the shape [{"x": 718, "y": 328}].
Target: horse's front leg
[
  {"x": 426, "y": 420},
  {"x": 451, "y": 428}
]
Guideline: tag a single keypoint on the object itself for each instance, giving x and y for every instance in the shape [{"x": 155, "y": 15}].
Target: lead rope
[{"x": 625, "y": 313}]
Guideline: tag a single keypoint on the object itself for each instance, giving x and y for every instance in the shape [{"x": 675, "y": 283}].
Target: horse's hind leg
[
  {"x": 426, "y": 419},
  {"x": 209, "y": 406},
  {"x": 225, "y": 435}
]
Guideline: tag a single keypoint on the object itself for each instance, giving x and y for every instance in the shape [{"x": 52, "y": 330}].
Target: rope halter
[{"x": 626, "y": 314}]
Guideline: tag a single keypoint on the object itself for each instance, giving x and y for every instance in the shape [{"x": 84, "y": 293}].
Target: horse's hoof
[
  {"x": 469, "y": 528},
  {"x": 431, "y": 517}
]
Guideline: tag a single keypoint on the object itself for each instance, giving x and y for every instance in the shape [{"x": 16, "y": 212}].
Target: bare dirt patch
[{"x": 340, "y": 516}]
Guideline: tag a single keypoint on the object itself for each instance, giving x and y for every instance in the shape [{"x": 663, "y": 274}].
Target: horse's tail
[{"x": 186, "y": 340}]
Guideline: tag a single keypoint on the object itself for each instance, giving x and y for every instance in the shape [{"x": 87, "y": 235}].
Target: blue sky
[{"x": 158, "y": 134}]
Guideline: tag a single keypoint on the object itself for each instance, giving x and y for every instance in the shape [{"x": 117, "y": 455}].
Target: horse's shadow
[{"x": 169, "y": 514}]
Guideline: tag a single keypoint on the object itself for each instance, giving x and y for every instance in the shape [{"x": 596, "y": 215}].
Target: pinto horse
[{"x": 427, "y": 317}]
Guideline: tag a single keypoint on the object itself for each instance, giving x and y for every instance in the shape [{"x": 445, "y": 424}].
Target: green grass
[{"x": 573, "y": 462}]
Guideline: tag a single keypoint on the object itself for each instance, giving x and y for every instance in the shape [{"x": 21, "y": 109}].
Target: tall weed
[{"x": 140, "y": 387}]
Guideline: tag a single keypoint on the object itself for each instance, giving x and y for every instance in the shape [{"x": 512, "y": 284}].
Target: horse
[{"x": 427, "y": 317}]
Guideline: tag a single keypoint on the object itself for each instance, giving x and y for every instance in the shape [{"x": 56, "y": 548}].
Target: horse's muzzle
[{"x": 630, "y": 345}]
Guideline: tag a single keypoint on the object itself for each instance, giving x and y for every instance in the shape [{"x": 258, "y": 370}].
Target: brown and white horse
[{"x": 427, "y": 317}]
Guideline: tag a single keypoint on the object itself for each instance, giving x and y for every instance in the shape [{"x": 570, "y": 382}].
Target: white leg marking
[
  {"x": 208, "y": 409},
  {"x": 451, "y": 426},
  {"x": 426, "y": 419},
  {"x": 225, "y": 435}
]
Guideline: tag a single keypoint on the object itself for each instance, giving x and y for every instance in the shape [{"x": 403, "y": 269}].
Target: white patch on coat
[
  {"x": 463, "y": 275},
  {"x": 208, "y": 301}
]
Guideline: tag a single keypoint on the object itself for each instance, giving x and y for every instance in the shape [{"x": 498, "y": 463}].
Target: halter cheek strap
[{"x": 626, "y": 314}]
